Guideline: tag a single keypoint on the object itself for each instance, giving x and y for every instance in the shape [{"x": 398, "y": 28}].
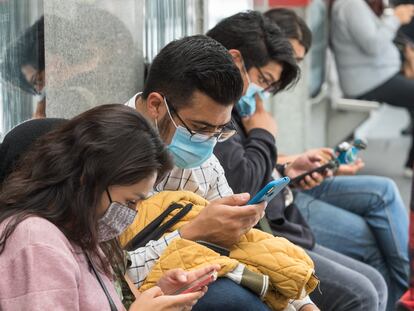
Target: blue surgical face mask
[
  {"x": 247, "y": 103},
  {"x": 189, "y": 150}
]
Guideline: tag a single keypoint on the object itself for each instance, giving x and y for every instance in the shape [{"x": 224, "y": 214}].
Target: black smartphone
[{"x": 330, "y": 165}]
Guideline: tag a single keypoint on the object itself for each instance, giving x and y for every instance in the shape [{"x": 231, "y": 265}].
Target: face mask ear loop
[
  {"x": 156, "y": 125},
  {"x": 169, "y": 113},
  {"x": 245, "y": 71},
  {"x": 109, "y": 196}
]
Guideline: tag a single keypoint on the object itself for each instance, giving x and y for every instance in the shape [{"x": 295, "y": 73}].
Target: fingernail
[
  {"x": 243, "y": 196},
  {"x": 182, "y": 278}
]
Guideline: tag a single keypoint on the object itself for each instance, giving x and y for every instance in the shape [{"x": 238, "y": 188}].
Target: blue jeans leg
[
  {"x": 225, "y": 294},
  {"x": 346, "y": 284},
  {"x": 370, "y": 211}
]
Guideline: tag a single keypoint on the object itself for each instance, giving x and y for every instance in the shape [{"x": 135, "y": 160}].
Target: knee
[
  {"x": 378, "y": 285},
  {"x": 364, "y": 296},
  {"x": 387, "y": 187},
  {"x": 354, "y": 291},
  {"x": 370, "y": 290}
]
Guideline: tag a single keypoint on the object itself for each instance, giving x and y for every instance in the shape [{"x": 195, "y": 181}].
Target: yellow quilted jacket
[{"x": 290, "y": 270}]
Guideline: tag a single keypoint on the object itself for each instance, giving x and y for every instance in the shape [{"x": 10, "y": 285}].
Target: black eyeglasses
[
  {"x": 201, "y": 136},
  {"x": 272, "y": 87}
]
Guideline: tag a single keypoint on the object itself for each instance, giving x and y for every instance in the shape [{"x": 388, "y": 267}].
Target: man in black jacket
[{"x": 268, "y": 65}]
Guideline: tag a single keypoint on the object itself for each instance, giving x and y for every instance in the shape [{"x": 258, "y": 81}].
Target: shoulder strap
[
  {"x": 101, "y": 282},
  {"x": 154, "y": 230}
]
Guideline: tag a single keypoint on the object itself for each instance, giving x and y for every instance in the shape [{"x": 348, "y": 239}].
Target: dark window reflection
[{"x": 22, "y": 62}]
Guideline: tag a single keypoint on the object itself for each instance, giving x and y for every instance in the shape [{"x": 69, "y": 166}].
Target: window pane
[
  {"x": 21, "y": 57},
  {"x": 219, "y": 9},
  {"x": 166, "y": 21}
]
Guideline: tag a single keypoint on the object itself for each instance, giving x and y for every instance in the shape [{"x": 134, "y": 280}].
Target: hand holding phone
[
  {"x": 198, "y": 284},
  {"x": 270, "y": 191},
  {"x": 330, "y": 165}
]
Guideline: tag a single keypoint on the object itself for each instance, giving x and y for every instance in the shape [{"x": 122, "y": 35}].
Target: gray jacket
[{"x": 362, "y": 43}]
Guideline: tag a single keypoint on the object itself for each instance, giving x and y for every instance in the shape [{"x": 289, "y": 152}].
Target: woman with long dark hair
[{"x": 78, "y": 187}]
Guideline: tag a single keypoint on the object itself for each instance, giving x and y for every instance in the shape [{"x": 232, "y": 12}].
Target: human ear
[
  {"x": 237, "y": 59},
  {"x": 155, "y": 106}
]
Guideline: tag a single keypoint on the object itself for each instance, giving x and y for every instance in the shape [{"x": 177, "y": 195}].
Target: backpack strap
[{"x": 154, "y": 230}]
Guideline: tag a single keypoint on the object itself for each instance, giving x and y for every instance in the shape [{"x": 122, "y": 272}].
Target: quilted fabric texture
[
  {"x": 151, "y": 208},
  {"x": 187, "y": 255},
  {"x": 290, "y": 270}
]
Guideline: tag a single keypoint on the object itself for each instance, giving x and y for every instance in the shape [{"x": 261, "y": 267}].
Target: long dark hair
[
  {"x": 65, "y": 173},
  {"x": 28, "y": 49},
  {"x": 293, "y": 26}
]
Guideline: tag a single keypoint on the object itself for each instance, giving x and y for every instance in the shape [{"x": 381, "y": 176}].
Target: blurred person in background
[
  {"x": 23, "y": 65},
  {"x": 368, "y": 62}
]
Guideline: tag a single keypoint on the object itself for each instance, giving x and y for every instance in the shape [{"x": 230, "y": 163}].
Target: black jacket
[{"x": 248, "y": 160}]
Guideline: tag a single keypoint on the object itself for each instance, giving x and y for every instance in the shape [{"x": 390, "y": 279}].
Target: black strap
[
  {"x": 214, "y": 247},
  {"x": 154, "y": 230},
  {"x": 108, "y": 296}
]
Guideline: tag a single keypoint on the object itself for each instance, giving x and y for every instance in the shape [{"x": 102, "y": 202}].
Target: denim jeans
[
  {"x": 364, "y": 218},
  {"x": 224, "y": 294},
  {"x": 346, "y": 284}
]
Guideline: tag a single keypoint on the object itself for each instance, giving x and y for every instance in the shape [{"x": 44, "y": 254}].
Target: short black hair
[
  {"x": 292, "y": 25},
  {"x": 194, "y": 63},
  {"x": 259, "y": 41},
  {"x": 28, "y": 49}
]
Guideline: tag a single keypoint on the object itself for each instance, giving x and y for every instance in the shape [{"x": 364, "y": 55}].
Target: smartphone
[
  {"x": 197, "y": 284},
  {"x": 270, "y": 191},
  {"x": 330, "y": 165}
]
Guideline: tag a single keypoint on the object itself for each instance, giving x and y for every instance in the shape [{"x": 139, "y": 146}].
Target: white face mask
[{"x": 115, "y": 220}]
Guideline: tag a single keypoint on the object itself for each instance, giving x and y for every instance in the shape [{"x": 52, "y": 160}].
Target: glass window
[
  {"x": 219, "y": 9},
  {"x": 84, "y": 53},
  {"x": 21, "y": 61},
  {"x": 166, "y": 21}
]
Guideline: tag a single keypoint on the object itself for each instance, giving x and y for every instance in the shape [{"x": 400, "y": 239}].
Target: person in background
[
  {"x": 188, "y": 96},
  {"x": 374, "y": 202},
  {"x": 368, "y": 62},
  {"x": 48, "y": 222},
  {"x": 23, "y": 65},
  {"x": 249, "y": 160},
  {"x": 74, "y": 67}
]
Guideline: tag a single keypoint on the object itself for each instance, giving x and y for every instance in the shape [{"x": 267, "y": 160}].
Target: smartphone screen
[{"x": 197, "y": 284}]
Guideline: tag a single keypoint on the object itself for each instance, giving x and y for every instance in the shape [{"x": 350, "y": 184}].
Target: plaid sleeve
[
  {"x": 144, "y": 258},
  {"x": 219, "y": 187}
]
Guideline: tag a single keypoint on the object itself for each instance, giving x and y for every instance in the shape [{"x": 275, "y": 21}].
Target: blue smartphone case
[{"x": 270, "y": 191}]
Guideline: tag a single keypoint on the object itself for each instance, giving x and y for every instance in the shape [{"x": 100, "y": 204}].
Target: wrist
[
  {"x": 190, "y": 232},
  {"x": 283, "y": 169}
]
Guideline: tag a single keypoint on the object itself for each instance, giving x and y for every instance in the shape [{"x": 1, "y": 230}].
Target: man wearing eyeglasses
[
  {"x": 346, "y": 283},
  {"x": 189, "y": 94}
]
